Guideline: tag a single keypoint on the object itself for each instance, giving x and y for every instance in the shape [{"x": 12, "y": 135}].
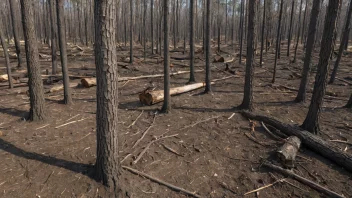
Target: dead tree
[
  {"x": 144, "y": 27},
  {"x": 167, "y": 98},
  {"x": 6, "y": 54},
  {"x": 63, "y": 52},
  {"x": 207, "y": 49},
  {"x": 152, "y": 24},
  {"x": 278, "y": 38},
  {"x": 15, "y": 32},
  {"x": 290, "y": 29},
  {"x": 298, "y": 31},
  {"x": 36, "y": 93},
  {"x": 301, "y": 95},
  {"x": 191, "y": 42},
  {"x": 343, "y": 42},
  {"x": 131, "y": 31},
  {"x": 262, "y": 38},
  {"x": 241, "y": 30},
  {"x": 53, "y": 37},
  {"x": 247, "y": 102},
  {"x": 311, "y": 123},
  {"x": 107, "y": 162}
]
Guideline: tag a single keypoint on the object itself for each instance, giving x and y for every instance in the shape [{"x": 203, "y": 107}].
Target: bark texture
[
  {"x": 6, "y": 54},
  {"x": 207, "y": 48},
  {"x": 278, "y": 39},
  {"x": 167, "y": 98},
  {"x": 15, "y": 32},
  {"x": 191, "y": 42}
]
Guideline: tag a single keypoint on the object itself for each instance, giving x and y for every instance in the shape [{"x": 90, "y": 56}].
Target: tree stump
[{"x": 287, "y": 152}]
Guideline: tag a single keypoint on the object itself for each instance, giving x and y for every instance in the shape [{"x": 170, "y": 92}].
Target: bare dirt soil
[{"x": 212, "y": 155}]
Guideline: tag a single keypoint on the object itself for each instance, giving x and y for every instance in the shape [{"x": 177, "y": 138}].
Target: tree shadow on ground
[
  {"x": 14, "y": 112},
  {"x": 85, "y": 169}
]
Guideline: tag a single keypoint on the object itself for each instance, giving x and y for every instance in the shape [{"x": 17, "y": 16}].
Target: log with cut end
[
  {"x": 311, "y": 141},
  {"x": 89, "y": 82},
  {"x": 287, "y": 152},
  {"x": 152, "y": 97},
  {"x": 4, "y": 78},
  {"x": 219, "y": 59},
  {"x": 60, "y": 87}
]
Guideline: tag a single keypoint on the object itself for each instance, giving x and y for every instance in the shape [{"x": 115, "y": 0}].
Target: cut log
[
  {"x": 287, "y": 152},
  {"x": 4, "y": 78},
  {"x": 60, "y": 87},
  {"x": 219, "y": 59},
  {"x": 153, "y": 97},
  {"x": 92, "y": 81},
  {"x": 311, "y": 141}
]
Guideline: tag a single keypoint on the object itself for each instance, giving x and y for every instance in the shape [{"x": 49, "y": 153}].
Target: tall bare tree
[
  {"x": 298, "y": 32},
  {"x": 191, "y": 42},
  {"x": 301, "y": 95},
  {"x": 207, "y": 48},
  {"x": 167, "y": 98},
  {"x": 63, "y": 52},
  {"x": 241, "y": 30},
  {"x": 53, "y": 36},
  {"x": 311, "y": 123},
  {"x": 290, "y": 29},
  {"x": 36, "y": 92},
  {"x": 131, "y": 31},
  {"x": 278, "y": 38},
  {"x": 262, "y": 38},
  {"x": 107, "y": 162},
  {"x": 247, "y": 102},
  {"x": 152, "y": 24},
  {"x": 6, "y": 54},
  {"x": 13, "y": 11}
]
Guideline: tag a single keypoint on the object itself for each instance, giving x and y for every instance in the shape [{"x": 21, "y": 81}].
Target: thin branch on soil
[
  {"x": 70, "y": 123},
  {"x": 255, "y": 140},
  {"x": 194, "y": 124},
  {"x": 173, "y": 187},
  {"x": 125, "y": 158},
  {"x": 289, "y": 183},
  {"x": 261, "y": 188},
  {"x": 148, "y": 145},
  {"x": 231, "y": 116},
  {"x": 144, "y": 133},
  {"x": 134, "y": 122},
  {"x": 341, "y": 141},
  {"x": 271, "y": 133},
  {"x": 72, "y": 117},
  {"x": 171, "y": 150},
  {"x": 42, "y": 127},
  {"x": 300, "y": 156}
]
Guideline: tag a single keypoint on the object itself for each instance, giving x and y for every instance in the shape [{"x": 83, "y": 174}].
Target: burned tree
[
  {"x": 191, "y": 42},
  {"x": 15, "y": 32},
  {"x": 278, "y": 36},
  {"x": 167, "y": 98}
]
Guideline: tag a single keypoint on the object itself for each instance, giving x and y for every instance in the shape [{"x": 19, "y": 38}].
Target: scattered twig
[
  {"x": 287, "y": 182},
  {"x": 303, "y": 180},
  {"x": 42, "y": 127},
  {"x": 144, "y": 133},
  {"x": 254, "y": 139},
  {"x": 173, "y": 187},
  {"x": 125, "y": 158},
  {"x": 134, "y": 122},
  {"x": 72, "y": 117},
  {"x": 171, "y": 150},
  {"x": 271, "y": 133},
  {"x": 148, "y": 145},
  {"x": 69, "y": 123},
  {"x": 341, "y": 141},
  {"x": 261, "y": 188},
  {"x": 300, "y": 156},
  {"x": 231, "y": 116},
  {"x": 194, "y": 124}
]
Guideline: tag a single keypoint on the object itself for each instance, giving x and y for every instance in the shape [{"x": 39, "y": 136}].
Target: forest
[{"x": 175, "y": 98}]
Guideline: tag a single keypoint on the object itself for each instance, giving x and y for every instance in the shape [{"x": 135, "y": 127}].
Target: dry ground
[{"x": 215, "y": 158}]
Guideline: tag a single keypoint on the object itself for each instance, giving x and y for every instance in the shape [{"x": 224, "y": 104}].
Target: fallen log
[
  {"x": 288, "y": 151},
  {"x": 4, "y": 78},
  {"x": 153, "y": 97},
  {"x": 60, "y": 87},
  {"x": 90, "y": 82},
  {"x": 303, "y": 180},
  {"x": 311, "y": 141},
  {"x": 218, "y": 59}
]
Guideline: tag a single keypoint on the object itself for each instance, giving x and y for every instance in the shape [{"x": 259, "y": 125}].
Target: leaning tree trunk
[
  {"x": 278, "y": 38},
  {"x": 311, "y": 123},
  {"x": 298, "y": 32},
  {"x": 167, "y": 98},
  {"x": 36, "y": 94},
  {"x": 290, "y": 29},
  {"x": 343, "y": 42},
  {"x": 6, "y": 54},
  {"x": 301, "y": 95},
  {"x": 63, "y": 52},
  {"x": 262, "y": 39},
  {"x": 191, "y": 42},
  {"x": 131, "y": 31},
  {"x": 247, "y": 102},
  {"x": 15, "y": 33},
  {"x": 207, "y": 49},
  {"x": 107, "y": 162},
  {"x": 53, "y": 37}
]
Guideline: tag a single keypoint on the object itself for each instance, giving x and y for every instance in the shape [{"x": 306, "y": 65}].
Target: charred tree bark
[
  {"x": 241, "y": 30},
  {"x": 15, "y": 32},
  {"x": 247, "y": 102},
  {"x": 298, "y": 31},
  {"x": 311, "y": 123},
  {"x": 290, "y": 29},
  {"x": 262, "y": 38},
  {"x": 343, "y": 42},
  {"x": 191, "y": 42},
  {"x": 207, "y": 49},
  {"x": 36, "y": 93},
  {"x": 219, "y": 26},
  {"x": 301, "y": 96},
  {"x": 144, "y": 27},
  {"x": 131, "y": 31},
  {"x": 107, "y": 163},
  {"x": 6, "y": 54},
  {"x": 167, "y": 98},
  {"x": 53, "y": 37},
  {"x": 278, "y": 39},
  {"x": 152, "y": 24},
  {"x": 63, "y": 52}
]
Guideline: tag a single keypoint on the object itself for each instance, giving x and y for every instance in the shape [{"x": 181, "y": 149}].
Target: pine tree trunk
[
  {"x": 36, "y": 93},
  {"x": 262, "y": 41},
  {"x": 6, "y": 54},
  {"x": 167, "y": 98},
  {"x": 191, "y": 42},
  {"x": 144, "y": 27},
  {"x": 131, "y": 31},
  {"x": 278, "y": 39},
  {"x": 53, "y": 37},
  {"x": 207, "y": 48},
  {"x": 290, "y": 30},
  {"x": 301, "y": 96},
  {"x": 226, "y": 22},
  {"x": 107, "y": 163},
  {"x": 304, "y": 22},
  {"x": 219, "y": 26},
  {"x": 298, "y": 32},
  {"x": 15, "y": 32},
  {"x": 241, "y": 31},
  {"x": 63, "y": 52},
  {"x": 343, "y": 42},
  {"x": 152, "y": 24},
  {"x": 311, "y": 123},
  {"x": 247, "y": 102}
]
